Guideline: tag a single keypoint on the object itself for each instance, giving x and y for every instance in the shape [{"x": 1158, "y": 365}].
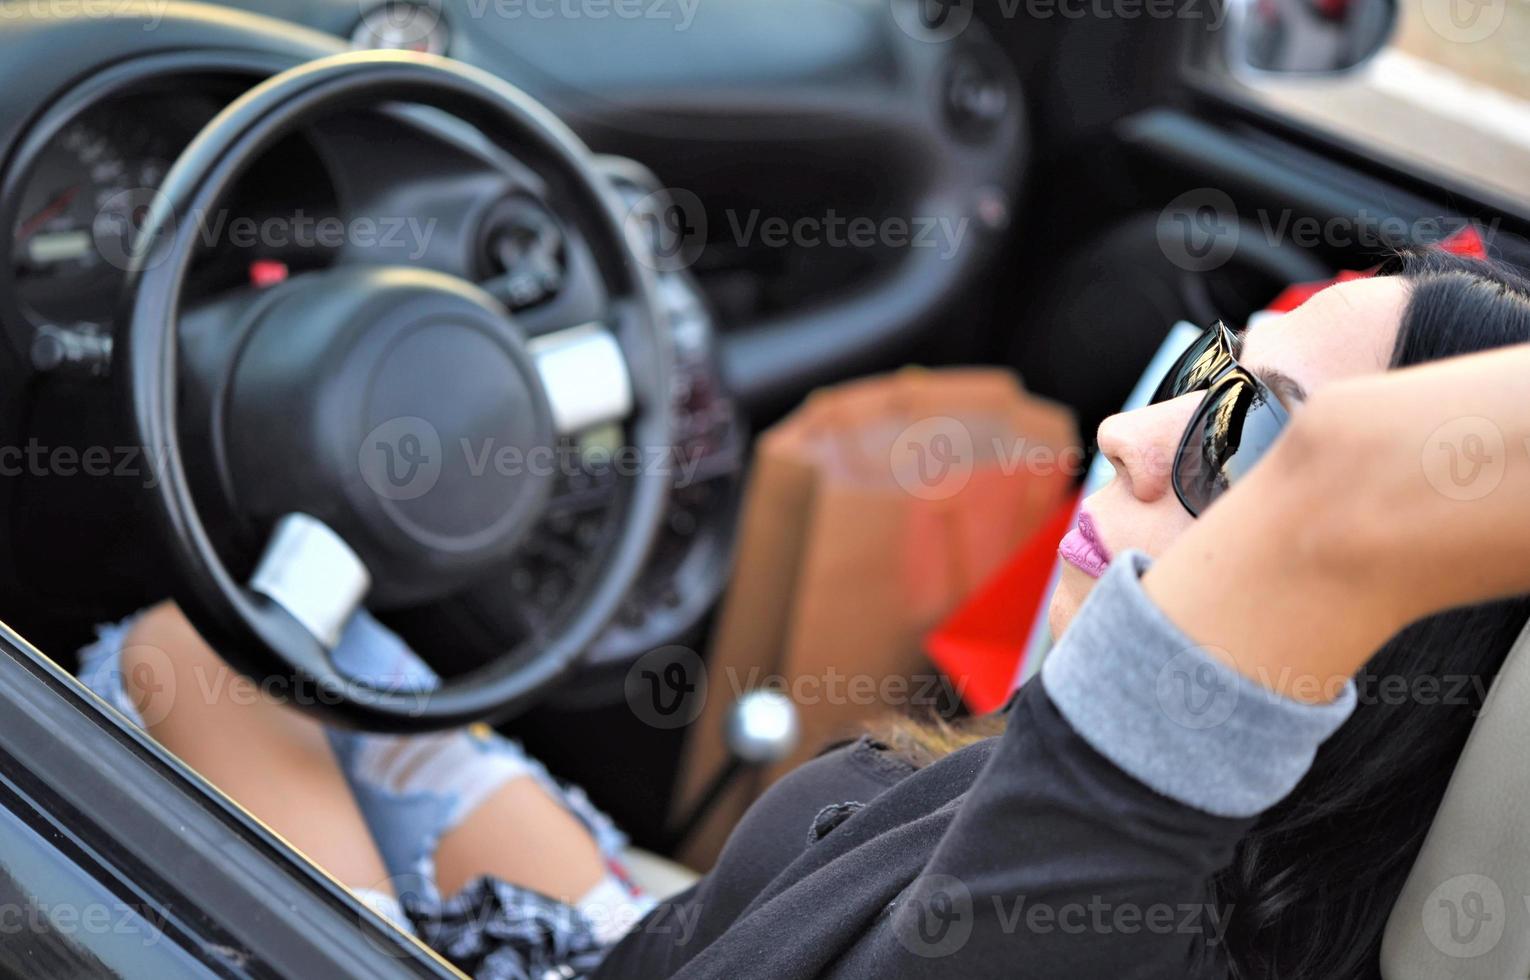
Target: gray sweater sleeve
[
  {"x": 1089, "y": 845},
  {"x": 1179, "y": 720}
]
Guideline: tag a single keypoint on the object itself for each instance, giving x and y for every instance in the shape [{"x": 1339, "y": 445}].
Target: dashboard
[
  {"x": 79, "y": 200},
  {"x": 83, "y": 189},
  {"x": 774, "y": 108},
  {"x": 94, "y": 110},
  {"x": 89, "y": 168}
]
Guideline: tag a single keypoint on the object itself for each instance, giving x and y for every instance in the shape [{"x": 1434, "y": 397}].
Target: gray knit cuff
[{"x": 1176, "y": 718}]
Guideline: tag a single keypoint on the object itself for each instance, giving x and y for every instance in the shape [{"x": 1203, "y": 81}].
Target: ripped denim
[{"x": 412, "y": 790}]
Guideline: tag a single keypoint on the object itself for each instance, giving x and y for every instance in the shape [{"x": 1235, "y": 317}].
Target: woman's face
[{"x": 1346, "y": 330}]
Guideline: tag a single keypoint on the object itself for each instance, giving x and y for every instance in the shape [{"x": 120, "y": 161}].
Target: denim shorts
[{"x": 412, "y": 790}]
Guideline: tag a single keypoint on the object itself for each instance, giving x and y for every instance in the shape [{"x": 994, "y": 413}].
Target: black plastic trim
[
  {"x": 177, "y": 837},
  {"x": 1267, "y": 167},
  {"x": 1215, "y": 95}
]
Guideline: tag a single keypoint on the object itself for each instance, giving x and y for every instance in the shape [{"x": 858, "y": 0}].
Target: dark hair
[{"x": 1312, "y": 884}]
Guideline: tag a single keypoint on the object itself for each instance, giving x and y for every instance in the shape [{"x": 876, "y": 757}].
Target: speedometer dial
[
  {"x": 76, "y": 214},
  {"x": 405, "y": 25}
]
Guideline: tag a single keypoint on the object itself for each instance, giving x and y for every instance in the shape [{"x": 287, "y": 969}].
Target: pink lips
[{"x": 1082, "y": 548}]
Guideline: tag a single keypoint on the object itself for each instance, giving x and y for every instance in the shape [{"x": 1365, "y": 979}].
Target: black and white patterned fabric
[{"x": 492, "y": 930}]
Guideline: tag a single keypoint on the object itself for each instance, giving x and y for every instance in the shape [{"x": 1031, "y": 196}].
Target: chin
[{"x": 1072, "y": 586}]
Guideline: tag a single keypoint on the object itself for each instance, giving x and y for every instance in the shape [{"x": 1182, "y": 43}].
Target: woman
[{"x": 1194, "y": 788}]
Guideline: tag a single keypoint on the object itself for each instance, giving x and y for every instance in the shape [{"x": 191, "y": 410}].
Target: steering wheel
[{"x": 338, "y": 408}]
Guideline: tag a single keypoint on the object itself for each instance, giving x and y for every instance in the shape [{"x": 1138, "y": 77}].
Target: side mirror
[{"x": 1307, "y": 37}]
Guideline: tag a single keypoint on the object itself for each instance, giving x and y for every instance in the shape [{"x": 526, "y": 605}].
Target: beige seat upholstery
[
  {"x": 659, "y": 877},
  {"x": 1465, "y": 911}
]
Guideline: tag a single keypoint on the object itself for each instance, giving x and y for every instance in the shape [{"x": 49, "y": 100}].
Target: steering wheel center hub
[{"x": 403, "y": 409}]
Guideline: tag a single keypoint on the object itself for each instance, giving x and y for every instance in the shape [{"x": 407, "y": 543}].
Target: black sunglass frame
[{"x": 1225, "y": 373}]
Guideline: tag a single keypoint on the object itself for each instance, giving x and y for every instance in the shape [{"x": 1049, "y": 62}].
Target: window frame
[
  {"x": 242, "y": 899},
  {"x": 1214, "y": 87}
]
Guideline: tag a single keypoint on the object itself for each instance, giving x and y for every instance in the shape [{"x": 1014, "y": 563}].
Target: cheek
[
  {"x": 1127, "y": 524},
  {"x": 1159, "y": 529}
]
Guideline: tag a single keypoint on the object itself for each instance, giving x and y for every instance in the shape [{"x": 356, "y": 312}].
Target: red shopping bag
[{"x": 982, "y": 643}]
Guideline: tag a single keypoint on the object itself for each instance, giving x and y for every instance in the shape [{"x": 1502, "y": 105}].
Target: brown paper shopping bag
[{"x": 871, "y": 512}]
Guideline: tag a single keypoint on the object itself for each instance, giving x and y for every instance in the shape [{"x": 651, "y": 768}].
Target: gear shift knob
[{"x": 761, "y": 728}]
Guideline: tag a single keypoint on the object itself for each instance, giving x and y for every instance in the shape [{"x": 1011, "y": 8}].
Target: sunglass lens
[{"x": 1230, "y": 432}]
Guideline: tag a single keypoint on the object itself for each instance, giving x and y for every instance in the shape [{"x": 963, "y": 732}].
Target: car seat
[{"x": 1465, "y": 910}]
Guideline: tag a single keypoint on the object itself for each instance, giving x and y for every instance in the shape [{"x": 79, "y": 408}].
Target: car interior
[{"x": 661, "y": 197}]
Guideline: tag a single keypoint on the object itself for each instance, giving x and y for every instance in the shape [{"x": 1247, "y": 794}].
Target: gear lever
[{"x": 760, "y": 729}]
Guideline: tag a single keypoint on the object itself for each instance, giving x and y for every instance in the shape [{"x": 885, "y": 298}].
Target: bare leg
[
  {"x": 521, "y": 835},
  {"x": 272, "y": 760},
  {"x": 277, "y": 763}
]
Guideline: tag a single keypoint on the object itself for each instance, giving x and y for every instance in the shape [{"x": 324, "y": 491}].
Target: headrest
[{"x": 1465, "y": 910}]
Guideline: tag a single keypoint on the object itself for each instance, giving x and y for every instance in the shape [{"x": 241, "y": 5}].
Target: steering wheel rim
[{"x": 256, "y": 634}]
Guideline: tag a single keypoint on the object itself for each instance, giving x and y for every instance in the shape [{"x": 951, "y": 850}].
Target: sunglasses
[{"x": 1236, "y": 424}]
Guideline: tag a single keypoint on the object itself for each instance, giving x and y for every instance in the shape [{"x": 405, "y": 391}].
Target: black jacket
[
  {"x": 1041, "y": 853},
  {"x": 1028, "y": 855}
]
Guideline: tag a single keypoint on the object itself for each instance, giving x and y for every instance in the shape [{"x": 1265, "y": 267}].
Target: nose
[{"x": 1141, "y": 444}]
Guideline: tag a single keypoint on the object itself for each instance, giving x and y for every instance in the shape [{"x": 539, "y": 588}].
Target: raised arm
[
  {"x": 1390, "y": 497},
  {"x": 1204, "y": 689},
  {"x": 1188, "y": 696}
]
